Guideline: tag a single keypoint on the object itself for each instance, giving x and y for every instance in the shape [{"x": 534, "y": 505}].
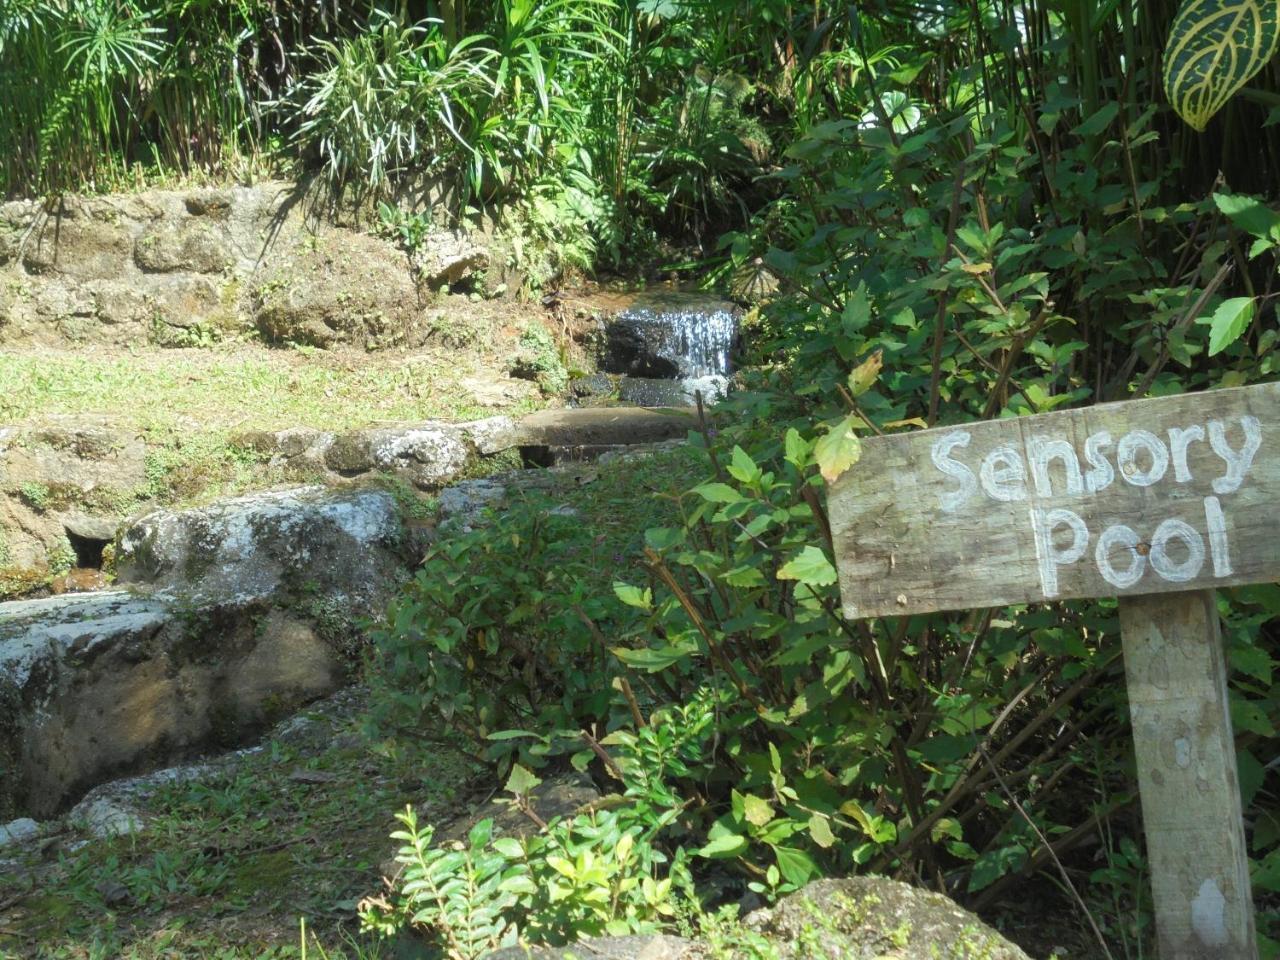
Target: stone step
[
  {"x": 605, "y": 426},
  {"x": 240, "y": 612}
]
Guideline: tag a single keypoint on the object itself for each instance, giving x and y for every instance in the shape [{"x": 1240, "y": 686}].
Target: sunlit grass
[
  {"x": 228, "y": 863},
  {"x": 238, "y": 388}
]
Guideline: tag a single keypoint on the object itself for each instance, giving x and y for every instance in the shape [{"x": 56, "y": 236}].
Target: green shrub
[
  {"x": 500, "y": 630},
  {"x": 610, "y": 869},
  {"x": 386, "y": 101}
]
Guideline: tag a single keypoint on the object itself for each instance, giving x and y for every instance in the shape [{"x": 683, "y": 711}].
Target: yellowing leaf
[
  {"x": 562, "y": 866},
  {"x": 838, "y": 450},
  {"x": 820, "y": 830},
  {"x": 853, "y": 809},
  {"x": 521, "y": 781},
  {"x": 1215, "y": 47},
  {"x": 623, "y": 851},
  {"x": 641, "y": 599},
  {"x": 909, "y": 422},
  {"x": 757, "y": 811},
  {"x": 865, "y": 374}
]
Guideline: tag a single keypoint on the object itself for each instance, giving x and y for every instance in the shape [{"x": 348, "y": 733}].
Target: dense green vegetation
[{"x": 970, "y": 210}]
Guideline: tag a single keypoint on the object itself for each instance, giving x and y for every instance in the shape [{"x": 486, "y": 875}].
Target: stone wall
[
  {"x": 72, "y": 481},
  {"x": 187, "y": 267}
]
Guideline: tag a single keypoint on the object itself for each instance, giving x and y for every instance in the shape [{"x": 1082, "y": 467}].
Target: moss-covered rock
[
  {"x": 875, "y": 918},
  {"x": 338, "y": 288}
]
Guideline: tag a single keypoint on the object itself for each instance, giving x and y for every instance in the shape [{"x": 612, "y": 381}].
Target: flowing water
[{"x": 670, "y": 345}]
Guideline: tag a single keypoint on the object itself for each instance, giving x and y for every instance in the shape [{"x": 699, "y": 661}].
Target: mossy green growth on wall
[{"x": 540, "y": 359}]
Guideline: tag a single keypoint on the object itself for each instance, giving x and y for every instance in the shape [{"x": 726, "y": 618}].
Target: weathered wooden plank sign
[
  {"x": 1148, "y": 496},
  {"x": 1140, "y": 499}
]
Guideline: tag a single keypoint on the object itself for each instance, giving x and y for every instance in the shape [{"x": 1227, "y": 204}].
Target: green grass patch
[
  {"x": 228, "y": 865},
  {"x": 238, "y": 387}
]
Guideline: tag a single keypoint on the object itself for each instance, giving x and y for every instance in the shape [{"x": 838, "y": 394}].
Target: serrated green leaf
[
  {"x": 744, "y": 576},
  {"x": 718, "y": 493},
  {"x": 795, "y": 865},
  {"x": 797, "y": 450},
  {"x": 634, "y": 596},
  {"x": 811, "y": 567},
  {"x": 1229, "y": 323},
  {"x": 1250, "y": 215},
  {"x": 1215, "y": 47},
  {"x": 1248, "y": 716},
  {"x": 947, "y": 827},
  {"x": 721, "y": 847},
  {"x": 1254, "y": 661},
  {"x": 857, "y": 311},
  {"x": 838, "y": 450},
  {"x": 743, "y": 468},
  {"x": 521, "y": 781}
]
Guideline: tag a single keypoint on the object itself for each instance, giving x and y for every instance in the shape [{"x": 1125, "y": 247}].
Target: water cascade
[{"x": 669, "y": 345}]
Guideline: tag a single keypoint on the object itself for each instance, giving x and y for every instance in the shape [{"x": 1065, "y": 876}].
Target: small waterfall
[
  {"x": 698, "y": 336},
  {"x": 669, "y": 345}
]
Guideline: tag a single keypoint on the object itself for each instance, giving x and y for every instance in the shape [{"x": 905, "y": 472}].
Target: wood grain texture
[
  {"x": 1176, "y": 675},
  {"x": 916, "y": 532}
]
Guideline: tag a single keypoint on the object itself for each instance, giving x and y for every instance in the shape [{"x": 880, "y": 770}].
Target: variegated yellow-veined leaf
[{"x": 1215, "y": 47}]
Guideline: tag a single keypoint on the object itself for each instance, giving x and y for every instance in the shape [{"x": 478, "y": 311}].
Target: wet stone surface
[{"x": 671, "y": 336}]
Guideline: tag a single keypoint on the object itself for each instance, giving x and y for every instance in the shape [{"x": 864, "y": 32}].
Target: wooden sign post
[{"x": 1155, "y": 501}]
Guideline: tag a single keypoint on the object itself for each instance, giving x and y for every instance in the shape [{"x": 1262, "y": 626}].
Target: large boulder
[
  {"x": 348, "y": 547},
  {"x": 605, "y": 426},
  {"x": 158, "y": 266},
  {"x": 65, "y": 482},
  {"x": 861, "y": 918},
  {"x": 81, "y": 452},
  {"x": 105, "y": 684},
  {"x": 195, "y": 245},
  {"x": 428, "y": 455},
  {"x": 874, "y": 918},
  {"x": 338, "y": 288},
  {"x": 80, "y": 240}
]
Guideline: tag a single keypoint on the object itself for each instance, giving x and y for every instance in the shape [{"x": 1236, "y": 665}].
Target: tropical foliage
[
  {"x": 969, "y": 210},
  {"x": 978, "y": 214}
]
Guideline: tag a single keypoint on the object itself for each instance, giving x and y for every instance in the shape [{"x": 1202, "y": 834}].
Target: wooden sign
[
  {"x": 1155, "y": 501},
  {"x": 1149, "y": 496}
]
